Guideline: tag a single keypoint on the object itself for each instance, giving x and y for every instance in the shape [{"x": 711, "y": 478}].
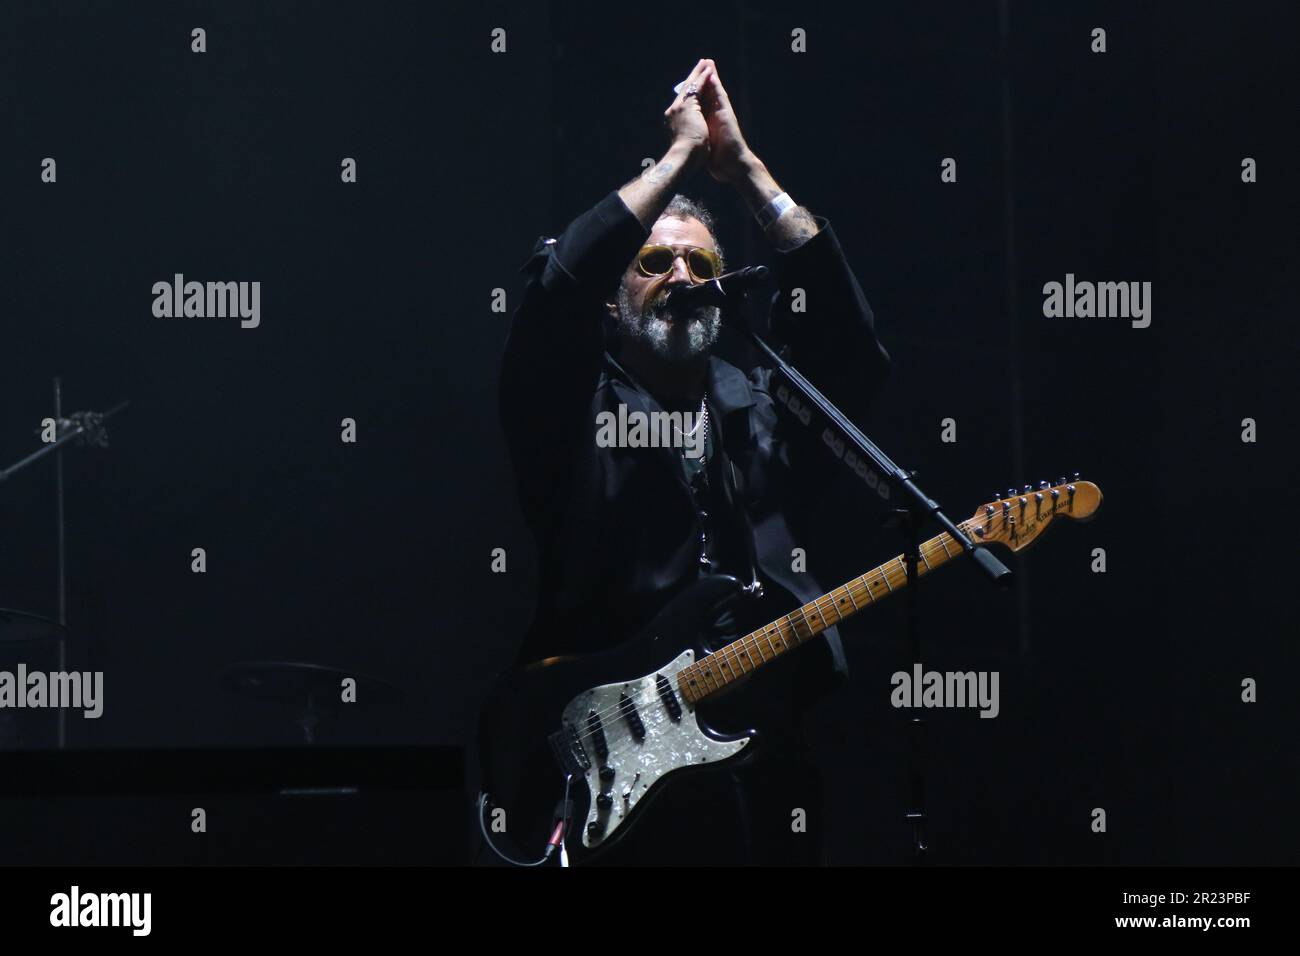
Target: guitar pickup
[
  {"x": 596, "y": 730},
  {"x": 569, "y": 752},
  {"x": 627, "y": 707},
  {"x": 673, "y": 705}
]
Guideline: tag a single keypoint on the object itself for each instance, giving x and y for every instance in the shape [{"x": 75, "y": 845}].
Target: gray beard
[{"x": 672, "y": 341}]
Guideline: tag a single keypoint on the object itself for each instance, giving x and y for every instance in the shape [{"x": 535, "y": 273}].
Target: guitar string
[
  {"x": 617, "y": 750},
  {"x": 620, "y": 709},
  {"x": 732, "y": 657}
]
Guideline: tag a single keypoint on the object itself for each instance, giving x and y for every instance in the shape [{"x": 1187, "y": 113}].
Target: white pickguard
[{"x": 639, "y": 764}]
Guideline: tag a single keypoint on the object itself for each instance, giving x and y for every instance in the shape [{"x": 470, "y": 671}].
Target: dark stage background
[{"x": 1119, "y": 690}]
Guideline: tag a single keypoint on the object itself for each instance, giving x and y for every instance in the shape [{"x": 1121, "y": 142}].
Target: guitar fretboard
[{"x": 714, "y": 673}]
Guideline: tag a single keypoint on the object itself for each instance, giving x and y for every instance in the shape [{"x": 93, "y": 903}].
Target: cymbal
[
  {"x": 20, "y": 627},
  {"x": 295, "y": 681}
]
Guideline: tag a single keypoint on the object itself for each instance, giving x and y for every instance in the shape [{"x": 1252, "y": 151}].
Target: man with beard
[{"x": 621, "y": 530}]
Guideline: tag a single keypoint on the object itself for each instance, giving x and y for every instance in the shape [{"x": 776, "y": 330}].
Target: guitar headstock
[{"x": 1018, "y": 519}]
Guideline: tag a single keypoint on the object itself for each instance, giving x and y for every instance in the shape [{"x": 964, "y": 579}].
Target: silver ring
[{"x": 692, "y": 91}]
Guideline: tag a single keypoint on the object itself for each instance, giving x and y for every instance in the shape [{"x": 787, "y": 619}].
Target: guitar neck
[{"x": 712, "y": 674}]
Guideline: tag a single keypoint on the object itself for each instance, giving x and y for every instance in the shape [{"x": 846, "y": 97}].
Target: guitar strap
[{"x": 731, "y": 493}]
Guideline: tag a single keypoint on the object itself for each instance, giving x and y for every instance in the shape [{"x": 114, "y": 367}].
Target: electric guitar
[{"x": 609, "y": 731}]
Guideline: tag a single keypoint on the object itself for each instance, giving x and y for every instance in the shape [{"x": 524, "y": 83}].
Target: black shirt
[{"x": 618, "y": 529}]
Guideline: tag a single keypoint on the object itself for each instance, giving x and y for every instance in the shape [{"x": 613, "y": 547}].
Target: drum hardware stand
[{"x": 88, "y": 429}]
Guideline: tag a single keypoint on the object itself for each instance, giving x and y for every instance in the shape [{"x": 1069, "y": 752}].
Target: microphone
[
  {"x": 87, "y": 427},
  {"x": 716, "y": 291}
]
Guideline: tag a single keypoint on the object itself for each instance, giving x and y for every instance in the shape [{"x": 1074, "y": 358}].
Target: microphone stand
[
  {"x": 89, "y": 427},
  {"x": 889, "y": 480},
  {"x": 85, "y": 425}
]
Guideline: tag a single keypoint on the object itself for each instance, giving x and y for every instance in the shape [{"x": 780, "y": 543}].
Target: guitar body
[{"x": 538, "y": 726}]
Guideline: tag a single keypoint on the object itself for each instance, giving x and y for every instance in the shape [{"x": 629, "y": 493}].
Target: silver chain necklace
[{"x": 702, "y": 420}]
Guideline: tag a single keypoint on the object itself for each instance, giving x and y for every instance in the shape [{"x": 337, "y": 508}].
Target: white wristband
[{"x": 774, "y": 210}]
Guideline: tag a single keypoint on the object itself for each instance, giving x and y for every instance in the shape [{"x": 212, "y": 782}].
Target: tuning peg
[
  {"x": 1044, "y": 484},
  {"x": 1011, "y": 492},
  {"x": 1062, "y": 481},
  {"x": 1076, "y": 477}
]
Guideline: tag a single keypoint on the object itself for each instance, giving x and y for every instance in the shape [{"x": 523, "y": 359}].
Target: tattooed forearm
[
  {"x": 648, "y": 195},
  {"x": 758, "y": 187},
  {"x": 660, "y": 172},
  {"x": 792, "y": 230}
]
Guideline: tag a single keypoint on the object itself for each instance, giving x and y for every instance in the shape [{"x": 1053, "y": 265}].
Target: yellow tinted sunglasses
[{"x": 703, "y": 264}]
